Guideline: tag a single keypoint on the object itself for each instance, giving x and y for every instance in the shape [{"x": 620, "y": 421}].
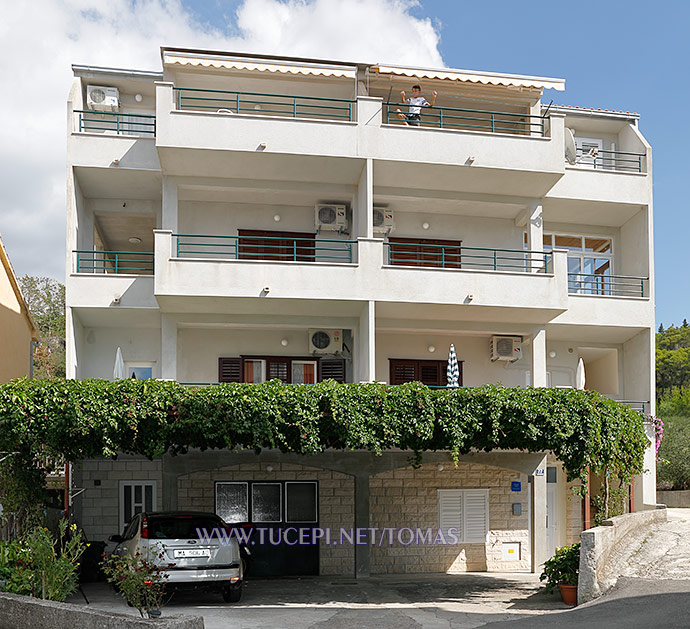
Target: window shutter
[
  {"x": 332, "y": 368},
  {"x": 402, "y": 371},
  {"x": 476, "y": 509},
  {"x": 229, "y": 370},
  {"x": 450, "y": 511},
  {"x": 278, "y": 368},
  {"x": 430, "y": 373}
]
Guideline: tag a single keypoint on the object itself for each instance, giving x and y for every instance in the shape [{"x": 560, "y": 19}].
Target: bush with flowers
[
  {"x": 41, "y": 565},
  {"x": 139, "y": 578}
]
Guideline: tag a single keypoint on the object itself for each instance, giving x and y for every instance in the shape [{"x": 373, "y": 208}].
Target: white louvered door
[{"x": 466, "y": 511}]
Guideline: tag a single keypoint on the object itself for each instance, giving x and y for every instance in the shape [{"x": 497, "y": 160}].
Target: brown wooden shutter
[
  {"x": 278, "y": 368},
  {"x": 418, "y": 252},
  {"x": 229, "y": 370},
  {"x": 289, "y": 246},
  {"x": 402, "y": 371},
  {"x": 332, "y": 369},
  {"x": 432, "y": 373}
]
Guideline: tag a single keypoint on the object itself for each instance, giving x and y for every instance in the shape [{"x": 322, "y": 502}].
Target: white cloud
[{"x": 40, "y": 40}]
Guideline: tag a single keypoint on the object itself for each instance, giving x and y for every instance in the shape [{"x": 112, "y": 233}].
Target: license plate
[{"x": 193, "y": 552}]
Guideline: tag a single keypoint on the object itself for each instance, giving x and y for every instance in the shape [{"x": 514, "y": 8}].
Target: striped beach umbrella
[{"x": 452, "y": 372}]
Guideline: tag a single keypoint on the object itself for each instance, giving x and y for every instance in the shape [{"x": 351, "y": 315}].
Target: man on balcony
[{"x": 416, "y": 102}]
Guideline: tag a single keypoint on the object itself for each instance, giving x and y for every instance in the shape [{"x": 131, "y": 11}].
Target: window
[
  {"x": 429, "y": 372},
  {"x": 301, "y": 502},
  {"x": 135, "y": 496},
  {"x": 276, "y": 246},
  {"x": 425, "y": 252},
  {"x": 232, "y": 501},
  {"x": 465, "y": 510},
  {"x": 139, "y": 371},
  {"x": 590, "y": 262},
  {"x": 291, "y": 370},
  {"x": 267, "y": 504},
  {"x": 589, "y": 152}
]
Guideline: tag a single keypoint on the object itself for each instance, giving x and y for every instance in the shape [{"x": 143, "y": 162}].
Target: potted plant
[{"x": 562, "y": 570}]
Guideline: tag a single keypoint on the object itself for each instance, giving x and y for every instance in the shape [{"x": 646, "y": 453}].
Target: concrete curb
[
  {"x": 25, "y": 612},
  {"x": 597, "y": 545}
]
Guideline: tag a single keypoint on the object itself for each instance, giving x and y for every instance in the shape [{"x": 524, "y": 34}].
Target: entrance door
[
  {"x": 281, "y": 517},
  {"x": 551, "y": 510}
]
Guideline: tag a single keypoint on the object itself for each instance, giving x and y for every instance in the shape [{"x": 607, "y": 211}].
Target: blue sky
[{"x": 631, "y": 55}]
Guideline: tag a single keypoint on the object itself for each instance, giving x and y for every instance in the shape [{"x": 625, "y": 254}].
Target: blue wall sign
[{"x": 516, "y": 485}]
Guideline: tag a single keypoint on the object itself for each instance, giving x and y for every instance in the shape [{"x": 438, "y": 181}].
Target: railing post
[
  {"x": 349, "y": 111},
  {"x": 179, "y": 99},
  {"x": 493, "y": 123},
  {"x": 495, "y": 260},
  {"x": 443, "y": 257},
  {"x": 237, "y": 102},
  {"x": 78, "y": 261},
  {"x": 440, "y": 118},
  {"x": 642, "y": 288},
  {"x": 237, "y": 248},
  {"x": 349, "y": 246},
  {"x": 294, "y": 250},
  {"x": 81, "y": 120},
  {"x": 116, "y": 262}
]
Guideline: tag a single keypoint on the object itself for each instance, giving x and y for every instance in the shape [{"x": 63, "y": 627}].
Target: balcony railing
[
  {"x": 121, "y": 124},
  {"x": 115, "y": 262},
  {"x": 610, "y": 285},
  {"x": 470, "y": 119},
  {"x": 258, "y": 103},
  {"x": 271, "y": 249},
  {"x": 610, "y": 160},
  {"x": 457, "y": 257}
]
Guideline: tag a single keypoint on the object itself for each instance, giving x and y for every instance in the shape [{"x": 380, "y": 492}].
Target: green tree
[
  {"x": 672, "y": 358},
  {"x": 45, "y": 298}
]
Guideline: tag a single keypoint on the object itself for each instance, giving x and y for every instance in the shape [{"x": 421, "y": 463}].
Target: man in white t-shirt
[{"x": 415, "y": 102}]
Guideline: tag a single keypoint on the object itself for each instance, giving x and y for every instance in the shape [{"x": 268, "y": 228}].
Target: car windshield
[{"x": 181, "y": 526}]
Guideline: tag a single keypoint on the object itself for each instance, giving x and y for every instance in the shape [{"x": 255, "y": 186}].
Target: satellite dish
[{"x": 570, "y": 148}]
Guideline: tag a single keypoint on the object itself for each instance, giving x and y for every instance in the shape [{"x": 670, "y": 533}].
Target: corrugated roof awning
[
  {"x": 508, "y": 80},
  {"x": 208, "y": 61}
]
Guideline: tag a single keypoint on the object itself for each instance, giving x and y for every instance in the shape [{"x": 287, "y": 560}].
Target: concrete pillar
[
  {"x": 363, "y": 218},
  {"x": 366, "y": 344},
  {"x": 538, "y": 358},
  {"x": 535, "y": 235},
  {"x": 169, "y": 210},
  {"x": 168, "y": 347},
  {"x": 362, "y": 551},
  {"x": 70, "y": 345},
  {"x": 169, "y": 488},
  {"x": 538, "y": 511}
]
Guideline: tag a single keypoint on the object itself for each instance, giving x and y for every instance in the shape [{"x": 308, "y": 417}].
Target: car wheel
[{"x": 232, "y": 593}]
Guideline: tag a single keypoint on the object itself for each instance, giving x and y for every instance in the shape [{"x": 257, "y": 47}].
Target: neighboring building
[
  {"x": 17, "y": 330},
  {"x": 240, "y": 218}
]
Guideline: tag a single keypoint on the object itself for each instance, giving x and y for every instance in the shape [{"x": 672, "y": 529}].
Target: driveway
[{"x": 433, "y": 601}]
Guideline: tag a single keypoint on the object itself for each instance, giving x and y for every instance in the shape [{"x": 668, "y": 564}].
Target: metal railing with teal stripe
[
  {"x": 272, "y": 249},
  {"x": 469, "y": 119},
  {"x": 458, "y": 257},
  {"x": 259, "y": 103},
  {"x": 636, "y": 405},
  {"x": 121, "y": 124},
  {"x": 610, "y": 160},
  {"x": 611, "y": 285},
  {"x": 115, "y": 262}
]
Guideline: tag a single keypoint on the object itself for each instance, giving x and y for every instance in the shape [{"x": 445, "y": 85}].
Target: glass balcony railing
[
  {"x": 114, "y": 262},
  {"x": 609, "y": 285},
  {"x": 469, "y": 119},
  {"x": 258, "y": 103},
  {"x": 268, "y": 248},
  {"x": 117, "y": 123}
]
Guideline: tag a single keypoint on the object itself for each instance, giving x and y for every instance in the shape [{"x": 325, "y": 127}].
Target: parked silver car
[{"x": 200, "y": 546}]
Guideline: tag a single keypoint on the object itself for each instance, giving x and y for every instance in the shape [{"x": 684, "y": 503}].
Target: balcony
[
  {"x": 600, "y": 159},
  {"x": 115, "y": 123},
  {"x": 113, "y": 262},
  {"x": 608, "y": 285}
]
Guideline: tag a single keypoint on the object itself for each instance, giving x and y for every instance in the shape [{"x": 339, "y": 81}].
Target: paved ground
[
  {"x": 396, "y": 602},
  {"x": 654, "y": 591}
]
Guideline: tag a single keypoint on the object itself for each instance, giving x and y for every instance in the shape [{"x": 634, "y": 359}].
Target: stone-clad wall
[
  {"x": 96, "y": 508},
  {"x": 336, "y": 501},
  {"x": 409, "y": 498}
]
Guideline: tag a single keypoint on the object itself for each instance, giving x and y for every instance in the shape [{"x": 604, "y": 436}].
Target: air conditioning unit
[
  {"x": 325, "y": 341},
  {"x": 505, "y": 348},
  {"x": 330, "y": 217},
  {"x": 384, "y": 221},
  {"x": 100, "y": 98}
]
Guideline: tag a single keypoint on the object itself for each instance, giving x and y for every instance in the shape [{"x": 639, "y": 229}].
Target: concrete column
[
  {"x": 168, "y": 347},
  {"x": 169, "y": 210},
  {"x": 363, "y": 218},
  {"x": 538, "y": 358},
  {"x": 362, "y": 552},
  {"x": 535, "y": 235},
  {"x": 70, "y": 345},
  {"x": 538, "y": 511},
  {"x": 169, "y": 488},
  {"x": 366, "y": 344}
]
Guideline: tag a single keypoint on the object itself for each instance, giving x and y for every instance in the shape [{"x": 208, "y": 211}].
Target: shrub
[
  {"x": 562, "y": 568},
  {"x": 673, "y": 465},
  {"x": 140, "y": 579},
  {"x": 42, "y": 566}
]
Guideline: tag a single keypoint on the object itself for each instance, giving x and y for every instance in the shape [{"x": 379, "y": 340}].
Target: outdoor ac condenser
[
  {"x": 507, "y": 348},
  {"x": 101, "y": 98}
]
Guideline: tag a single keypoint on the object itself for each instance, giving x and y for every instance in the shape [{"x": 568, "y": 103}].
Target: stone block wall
[
  {"x": 96, "y": 508},
  {"x": 336, "y": 501},
  {"x": 408, "y": 497}
]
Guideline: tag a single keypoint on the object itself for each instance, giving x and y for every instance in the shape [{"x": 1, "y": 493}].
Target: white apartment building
[{"x": 239, "y": 218}]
